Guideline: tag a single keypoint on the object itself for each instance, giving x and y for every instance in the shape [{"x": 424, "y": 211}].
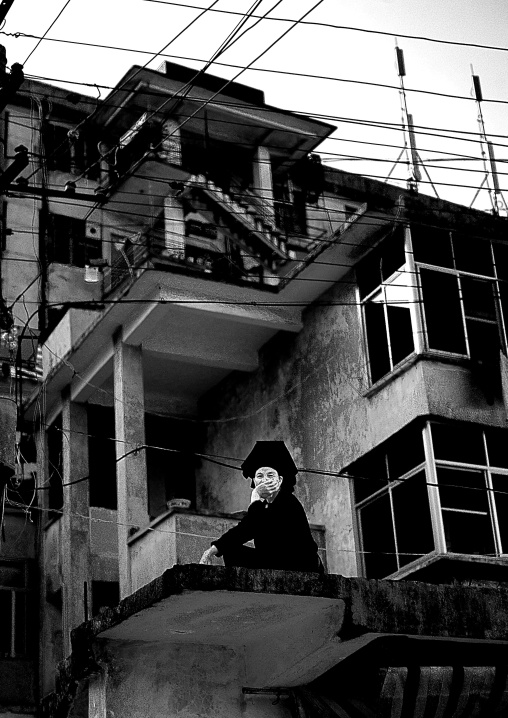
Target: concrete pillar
[
  {"x": 171, "y": 145},
  {"x": 132, "y": 488},
  {"x": 75, "y": 544},
  {"x": 263, "y": 177},
  {"x": 174, "y": 228}
]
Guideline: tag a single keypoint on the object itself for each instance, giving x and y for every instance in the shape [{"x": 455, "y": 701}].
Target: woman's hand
[
  {"x": 268, "y": 488},
  {"x": 208, "y": 555}
]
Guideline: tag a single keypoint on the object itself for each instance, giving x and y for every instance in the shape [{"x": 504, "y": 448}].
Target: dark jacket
[{"x": 281, "y": 534}]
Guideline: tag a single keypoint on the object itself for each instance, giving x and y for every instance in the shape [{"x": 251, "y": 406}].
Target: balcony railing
[{"x": 178, "y": 537}]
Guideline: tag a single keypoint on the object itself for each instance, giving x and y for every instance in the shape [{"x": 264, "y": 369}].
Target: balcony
[{"x": 180, "y": 537}]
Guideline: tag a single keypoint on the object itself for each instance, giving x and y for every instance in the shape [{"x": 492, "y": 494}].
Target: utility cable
[{"x": 44, "y": 36}]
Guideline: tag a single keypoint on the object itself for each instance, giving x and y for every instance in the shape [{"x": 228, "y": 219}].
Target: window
[
  {"x": 67, "y": 241},
  {"x": 446, "y": 494},
  {"x": 437, "y": 291},
  {"x": 105, "y": 594},
  {"x": 389, "y": 300},
  {"x": 13, "y": 608},
  {"x": 61, "y": 152}
]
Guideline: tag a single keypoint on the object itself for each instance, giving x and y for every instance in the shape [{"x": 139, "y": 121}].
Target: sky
[{"x": 447, "y": 127}]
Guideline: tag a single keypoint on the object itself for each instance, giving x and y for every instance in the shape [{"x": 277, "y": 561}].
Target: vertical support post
[
  {"x": 132, "y": 489},
  {"x": 75, "y": 519},
  {"x": 174, "y": 233},
  {"x": 263, "y": 183}
]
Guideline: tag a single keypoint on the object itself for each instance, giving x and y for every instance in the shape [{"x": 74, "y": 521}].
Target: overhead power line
[
  {"x": 43, "y": 36},
  {"x": 396, "y": 35}
]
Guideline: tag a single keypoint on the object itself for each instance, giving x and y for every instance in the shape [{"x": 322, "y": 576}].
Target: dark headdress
[{"x": 274, "y": 454}]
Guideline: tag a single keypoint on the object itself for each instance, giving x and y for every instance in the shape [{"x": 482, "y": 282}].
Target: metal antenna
[
  {"x": 413, "y": 159},
  {"x": 497, "y": 199}
]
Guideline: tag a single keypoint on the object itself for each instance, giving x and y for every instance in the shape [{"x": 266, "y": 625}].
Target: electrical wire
[
  {"x": 44, "y": 36},
  {"x": 396, "y": 35}
]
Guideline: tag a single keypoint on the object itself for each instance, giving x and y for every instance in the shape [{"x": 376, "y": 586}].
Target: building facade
[{"x": 192, "y": 280}]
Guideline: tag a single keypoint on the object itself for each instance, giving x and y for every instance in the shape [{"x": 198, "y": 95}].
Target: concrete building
[{"x": 206, "y": 283}]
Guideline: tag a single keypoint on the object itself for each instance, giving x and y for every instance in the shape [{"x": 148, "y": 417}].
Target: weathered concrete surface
[{"x": 208, "y": 619}]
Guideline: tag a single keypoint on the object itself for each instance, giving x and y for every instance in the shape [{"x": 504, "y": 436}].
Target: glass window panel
[
  {"x": 462, "y": 489},
  {"x": 484, "y": 341},
  {"x": 369, "y": 474},
  {"x": 458, "y": 442},
  {"x": 401, "y": 332},
  {"x": 377, "y": 340},
  {"x": 377, "y": 538},
  {"x": 468, "y": 533},
  {"x": 501, "y": 257},
  {"x": 500, "y": 486},
  {"x": 413, "y": 524},
  {"x": 443, "y": 315},
  {"x": 472, "y": 255},
  {"x": 478, "y": 296},
  {"x": 368, "y": 273},
  {"x": 405, "y": 450},
  {"x": 393, "y": 256},
  {"x": 497, "y": 447},
  {"x": 432, "y": 246}
]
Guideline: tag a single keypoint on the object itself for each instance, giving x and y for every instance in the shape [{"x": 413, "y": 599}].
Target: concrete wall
[{"x": 183, "y": 681}]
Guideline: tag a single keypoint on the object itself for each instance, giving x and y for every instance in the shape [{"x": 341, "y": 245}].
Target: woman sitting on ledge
[{"x": 275, "y": 520}]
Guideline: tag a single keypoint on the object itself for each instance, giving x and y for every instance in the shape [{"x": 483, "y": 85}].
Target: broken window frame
[
  {"x": 412, "y": 272},
  {"x": 379, "y": 295},
  {"x": 438, "y": 513},
  {"x": 461, "y": 275}
]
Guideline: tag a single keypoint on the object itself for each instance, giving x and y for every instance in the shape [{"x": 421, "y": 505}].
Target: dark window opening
[
  {"x": 413, "y": 523},
  {"x": 55, "y": 467},
  {"x": 170, "y": 468},
  {"x": 442, "y": 310},
  {"x": 458, "y": 442},
  {"x": 67, "y": 241},
  {"x": 432, "y": 246},
  {"x": 105, "y": 594},
  {"x": 102, "y": 456}
]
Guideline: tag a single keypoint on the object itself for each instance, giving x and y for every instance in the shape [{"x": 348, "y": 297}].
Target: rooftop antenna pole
[
  {"x": 497, "y": 199},
  {"x": 413, "y": 160}
]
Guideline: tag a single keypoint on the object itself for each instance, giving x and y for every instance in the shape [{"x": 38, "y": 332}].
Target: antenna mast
[
  {"x": 413, "y": 159},
  {"x": 497, "y": 199}
]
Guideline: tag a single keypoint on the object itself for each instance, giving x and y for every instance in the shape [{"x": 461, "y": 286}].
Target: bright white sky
[{"x": 345, "y": 54}]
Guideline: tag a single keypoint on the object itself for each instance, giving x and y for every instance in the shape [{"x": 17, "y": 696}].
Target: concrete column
[
  {"x": 174, "y": 229},
  {"x": 171, "y": 145},
  {"x": 75, "y": 544},
  {"x": 132, "y": 488},
  {"x": 263, "y": 177}
]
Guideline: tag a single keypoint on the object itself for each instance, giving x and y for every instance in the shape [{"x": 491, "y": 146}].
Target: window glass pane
[
  {"x": 405, "y": 450},
  {"x": 393, "y": 256},
  {"x": 478, "y": 296},
  {"x": 462, "y": 489},
  {"x": 501, "y": 257},
  {"x": 500, "y": 486},
  {"x": 497, "y": 447},
  {"x": 472, "y": 255},
  {"x": 458, "y": 442},
  {"x": 484, "y": 341},
  {"x": 432, "y": 246},
  {"x": 377, "y": 538},
  {"x": 369, "y": 474},
  {"x": 401, "y": 332},
  {"x": 377, "y": 340},
  {"x": 468, "y": 533},
  {"x": 368, "y": 273},
  {"x": 413, "y": 524},
  {"x": 443, "y": 315}
]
